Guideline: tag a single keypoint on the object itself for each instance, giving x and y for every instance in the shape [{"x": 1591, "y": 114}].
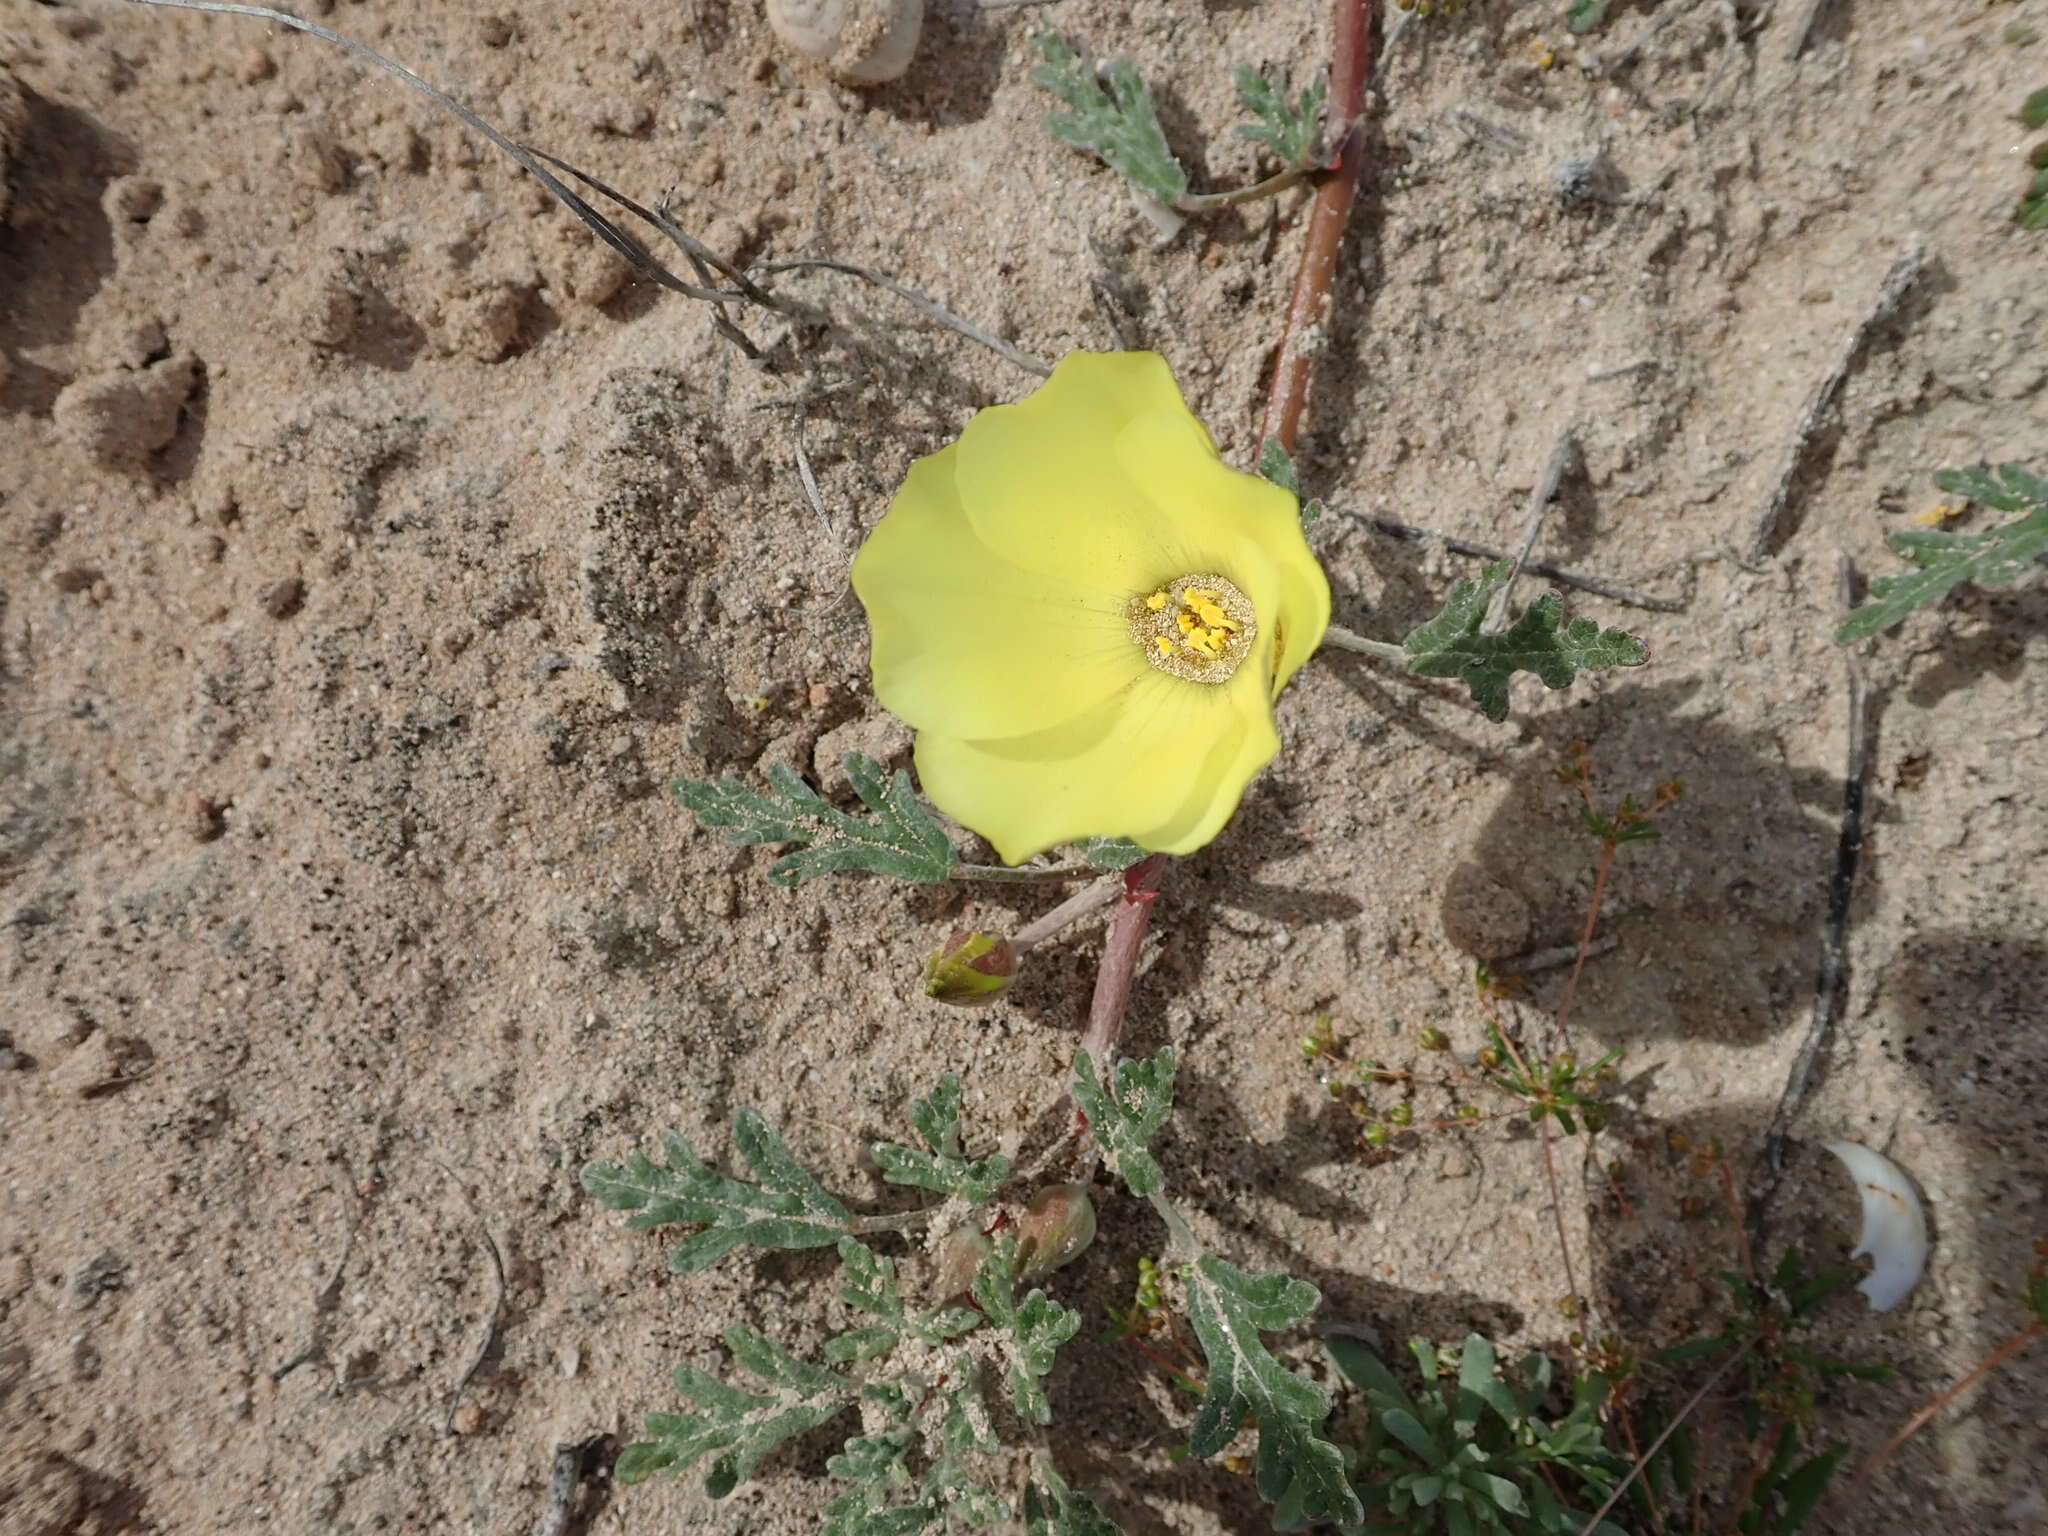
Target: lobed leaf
[
  {"x": 1290, "y": 126},
  {"x": 1451, "y": 644},
  {"x": 1301, "y": 1474},
  {"x": 736, "y": 1427},
  {"x": 1126, "y": 1113},
  {"x": 1998, "y": 557},
  {"x": 901, "y": 839},
  {"x": 944, "y": 1169},
  {"x": 1277, "y": 466},
  {"x": 1034, "y": 1328},
  {"x": 787, "y": 1209},
  {"x": 1119, "y": 126},
  {"x": 1051, "y": 1508}
]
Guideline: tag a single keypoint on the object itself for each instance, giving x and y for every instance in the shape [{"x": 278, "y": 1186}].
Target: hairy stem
[
  {"x": 1072, "y": 910},
  {"x": 1340, "y": 638},
  {"x": 1300, "y": 341}
]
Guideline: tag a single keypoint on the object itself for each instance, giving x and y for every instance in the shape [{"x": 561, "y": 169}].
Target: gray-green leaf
[
  {"x": 1126, "y": 1113},
  {"x": 1998, "y": 557},
  {"x": 1119, "y": 126},
  {"x": 1585, "y": 15},
  {"x": 737, "y": 1427},
  {"x": 1051, "y": 1508},
  {"x": 1451, "y": 645},
  {"x": 1299, "y": 1473},
  {"x": 1291, "y": 126},
  {"x": 901, "y": 840},
  {"x": 1276, "y": 465},
  {"x": 1034, "y": 1328},
  {"x": 787, "y": 1209},
  {"x": 1110, "y": 854},
  {"x": 944, "y": 1169}
]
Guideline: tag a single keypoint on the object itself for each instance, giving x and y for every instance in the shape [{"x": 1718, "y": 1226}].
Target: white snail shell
[{"x": 862, "y": 41}]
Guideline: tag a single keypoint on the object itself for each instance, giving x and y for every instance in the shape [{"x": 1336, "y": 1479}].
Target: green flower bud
[
  {"x": 970, "y": 969},
  {"x": 1055, "y": 1229}
]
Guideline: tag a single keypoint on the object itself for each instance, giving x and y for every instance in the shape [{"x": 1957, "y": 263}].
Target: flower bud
[
  {"x": 960, "y": 1256},
  {"x": 1055, "y": 1229},
  {"x": 969, "y": 969}
]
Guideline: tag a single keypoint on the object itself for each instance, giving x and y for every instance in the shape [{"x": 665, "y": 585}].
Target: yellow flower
[{"x": 1087, "y": 616}]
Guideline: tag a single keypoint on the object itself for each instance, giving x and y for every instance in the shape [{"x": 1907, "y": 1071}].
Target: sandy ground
[{"x": 372, "y": 551}]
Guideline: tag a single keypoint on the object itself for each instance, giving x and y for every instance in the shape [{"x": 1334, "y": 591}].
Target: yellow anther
[
  {"x": 1186, "y": 621},
  {"x": 1165, "y": 645},
  {"x": 1194, "y": 595},
  {"x": 1211, "y": 615},
  {"x": 1157, "y": 600}
]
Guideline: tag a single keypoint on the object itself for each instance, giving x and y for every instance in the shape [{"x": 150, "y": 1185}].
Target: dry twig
[
  {"x": 1897, "y": 281},
  {"x": 1409, "y": 533}
]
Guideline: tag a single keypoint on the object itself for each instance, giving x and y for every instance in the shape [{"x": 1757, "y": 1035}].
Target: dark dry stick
[
  {"x": 573, "y": 1462},
  {"x": 1829, "y": 991},
  {"x": 1302, "y": 338},
  {"x": 1409, "y": 533},
  {"x": 917, "y": 301},
  {"x": 1896, "y": 282}
]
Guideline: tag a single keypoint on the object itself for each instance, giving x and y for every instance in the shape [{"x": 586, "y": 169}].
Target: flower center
[{"x": 1197, "y": 627}]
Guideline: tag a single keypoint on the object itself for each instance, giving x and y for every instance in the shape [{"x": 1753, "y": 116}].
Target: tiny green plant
[
  {"x": 1999, "y": 557},
  {"x": 1475, "y": 1451}
]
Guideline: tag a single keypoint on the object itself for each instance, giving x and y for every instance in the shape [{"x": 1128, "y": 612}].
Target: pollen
[{"x": 1199, "y": 627}]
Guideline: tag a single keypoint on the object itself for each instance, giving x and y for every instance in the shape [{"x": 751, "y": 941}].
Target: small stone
[
  {"x": 319, "y": 162},
  {"x": 88, "y": 1070},
  {"x": 1483, "y": 917},
  {"x": 1455, "y": 1163},
  {"x": 467, "y": 1419},
  {"x": 204, "y": 820},
  {"x": 495, "y": 31},
  {"x": 882, "y": 737},
  {"x": 818, "y": 695},
  {"x": 282, "y": 599},
  {"x": 123, "y": 418},
  {"x": 255, "y": 66},
  {"x": 485, "y": 324}
]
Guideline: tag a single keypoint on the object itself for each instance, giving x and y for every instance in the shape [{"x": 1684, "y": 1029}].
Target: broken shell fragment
[
  {"x": 1894, "y": 1225},
  {"x": 863, "y": 42}
]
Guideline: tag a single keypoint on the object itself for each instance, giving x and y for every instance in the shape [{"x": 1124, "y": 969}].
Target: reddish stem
[
  {"x": 1307, "y": 311},
  {"x": 1571, "y": 986},
  {"x": 1120, "y": 959}
]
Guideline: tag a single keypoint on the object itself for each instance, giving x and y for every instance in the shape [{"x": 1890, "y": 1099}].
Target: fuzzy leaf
[
  {"x": 1110, "y": 854},
  {"x": 944, "y": 1169},
  {"x": 1126, "y": 1114},
  {"x": 1291, "y": 126},
  {"x": 737, "y": 1427},
  {"x": 1275, "y": 465},
  {"x": 2034, "y": 110},
  {"x": 1299, "y": 1472},
  {"x": 1118, "y": 126},
  {"x": 900, "y": 840},
  {"x": 1034, "y": 1328},
  {"x": 1051, "y": 1508},
  {"x": 787, "y": 1209},
  {"x": 1450, "y": 645},
  {"x": 1998, "y": 557}
]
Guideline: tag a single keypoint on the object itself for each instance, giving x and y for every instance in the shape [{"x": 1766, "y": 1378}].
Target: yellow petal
[
  {"x": 1046, "y": 489},
  {"x": 964, "y": 642},
  {"x": 1233, "y": 757},
  {"x": 1118, "y": 770}
]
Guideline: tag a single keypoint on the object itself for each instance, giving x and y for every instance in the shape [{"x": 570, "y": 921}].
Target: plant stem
[
  {"x": 1346, "y": 640},
  {"x": 1272, "y": 186},
  {"x": 1677, "y": 1421},
  {"x": 1072, "y": 910},
  {"x": 1005, "y": 874},
  {"x": 1120, "y": 960},
  {"x": 1303, "y": 336},
  {"x": 1571, "y": 985}
]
